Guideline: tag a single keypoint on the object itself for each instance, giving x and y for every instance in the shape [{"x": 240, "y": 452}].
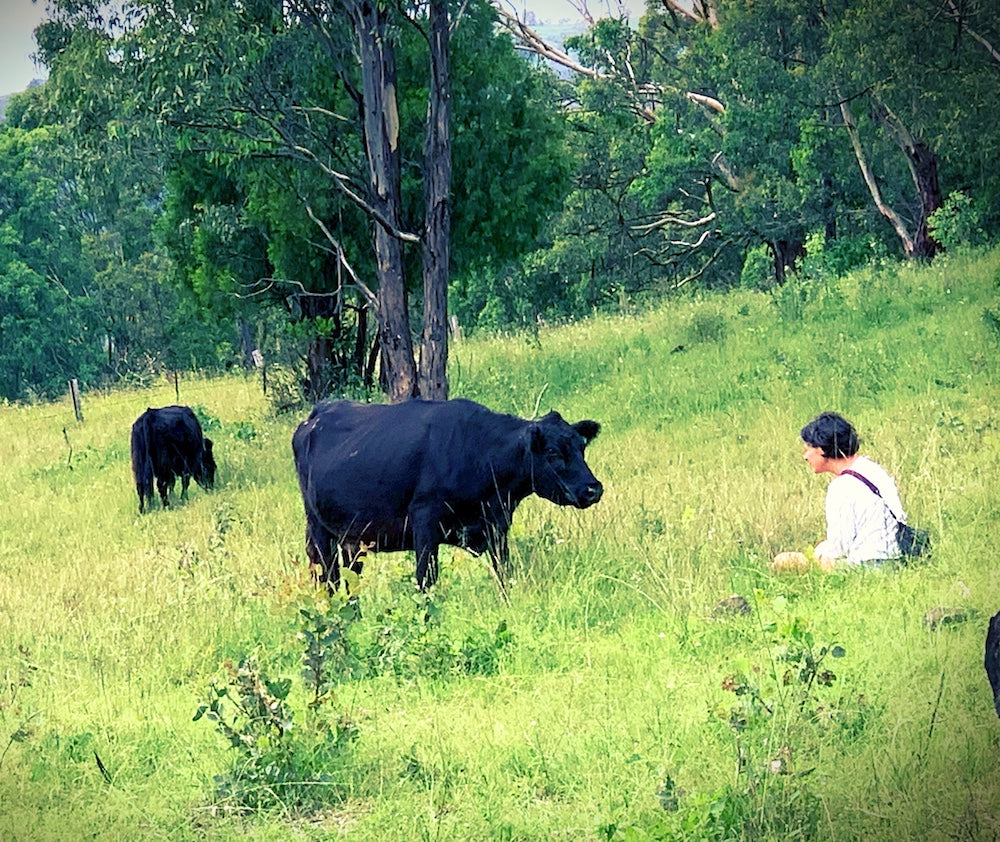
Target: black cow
[
  {"x": 992, "y": 659},
  {"x": 167, "y": 443},
  {"x": 415, "y": 475}
]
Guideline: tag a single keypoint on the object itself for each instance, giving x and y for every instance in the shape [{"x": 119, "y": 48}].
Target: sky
[
  {"x": 18, "y": 19},
  {"x": 555, "y": 10}
]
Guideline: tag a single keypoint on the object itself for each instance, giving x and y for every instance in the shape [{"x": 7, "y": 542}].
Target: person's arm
[{"x": 839, "y": 525}]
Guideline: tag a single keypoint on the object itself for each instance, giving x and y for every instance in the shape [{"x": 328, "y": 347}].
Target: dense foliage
[{"x": 184, "y": 188}]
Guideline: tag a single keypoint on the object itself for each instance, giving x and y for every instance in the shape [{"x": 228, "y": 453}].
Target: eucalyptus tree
[
  {"x": 916, "y": 85},
  {"x": 82, "y": 292},
  {"x": 772, "y": 122},
  {"x": 306, "y": 153},
  {"x": 111, "y": 183},
  {"x": 748, "y": 133},
  {"x": 826, "y": 108},
  {"x": 310, "y": 88}
]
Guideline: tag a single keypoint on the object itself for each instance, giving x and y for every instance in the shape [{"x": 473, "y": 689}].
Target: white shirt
[{"x": 860, "y": 526}]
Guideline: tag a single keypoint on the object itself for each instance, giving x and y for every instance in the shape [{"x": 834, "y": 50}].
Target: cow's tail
[{"x": 142, "y": 460}]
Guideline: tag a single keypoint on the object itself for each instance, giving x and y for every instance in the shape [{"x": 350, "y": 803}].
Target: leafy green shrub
[
  {"x": 409, "y": 638},
  {"x": 958, "y": 222},
  {"x": 707, "y": 325},
  {"x": 12, "y": 688},
  {"x": 828, "y": 260},
  {"x": 791, "y": 299},
  {"x": 285, "y": 390},
  {"x": 278, "y": 764},
  {"x": 992, "y": 320},
  {"x": 758, "y": 269},
  {"x": 784, "y": 702}
]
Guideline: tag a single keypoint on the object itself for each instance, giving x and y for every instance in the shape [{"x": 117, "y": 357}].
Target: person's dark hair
[{"x": 831, "y": 433}]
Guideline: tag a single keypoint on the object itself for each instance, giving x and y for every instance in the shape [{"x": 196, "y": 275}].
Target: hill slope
[{"x": 622, "y": 693}]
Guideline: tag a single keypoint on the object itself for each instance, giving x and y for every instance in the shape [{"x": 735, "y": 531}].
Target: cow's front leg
[{"x": 426, "y": 540}]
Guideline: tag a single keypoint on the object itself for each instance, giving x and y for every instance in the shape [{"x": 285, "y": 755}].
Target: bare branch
[
  {"x": 701, "y": 271},
  {"x": 953, "y": 13},
  {"x": 708, "y": 101},
  {"x": 534, "y": 42},
  {"x": 699, "y": 11},
  {"x": 869, "y": 177},
  {"x": 342, "y": 257},
  {"x": 673, "y": 219},
  {"x": 684, "y": 244}
]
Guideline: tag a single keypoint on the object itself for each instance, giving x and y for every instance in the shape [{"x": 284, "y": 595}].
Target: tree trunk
[
  {"x": 437, "y": 209},
  {"x": 360, "y": 340},
  {"x": 923, "y": 168},
  {"x": 785, "y": 253},
  {"x": 866, "y": 172},
  {"x": 925, "y": 174},
  {"x": 828, "y": 210},
  {"x": 321, "y": 363},
  {"x": 381, "y": 126},
  {"x": 247, "y": 344}
]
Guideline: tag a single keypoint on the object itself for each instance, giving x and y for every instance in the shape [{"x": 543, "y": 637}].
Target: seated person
[{"x": 860, "y": 522}]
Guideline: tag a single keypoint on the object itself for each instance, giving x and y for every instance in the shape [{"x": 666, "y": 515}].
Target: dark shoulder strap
[
  {"x": 871, "y": 486},
  {"x": 874, "y": 490}
]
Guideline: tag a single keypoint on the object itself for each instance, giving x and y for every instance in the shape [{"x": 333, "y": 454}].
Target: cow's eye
[{"x": 554, "y": 455}]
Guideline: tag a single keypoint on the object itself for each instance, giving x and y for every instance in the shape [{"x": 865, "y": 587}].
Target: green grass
[{"x": 608, "y": 699}]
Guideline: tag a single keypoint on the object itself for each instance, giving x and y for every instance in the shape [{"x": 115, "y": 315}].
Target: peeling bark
[
  {"x": 381, "y": 129},
  {"x": 433, "y": 383}
]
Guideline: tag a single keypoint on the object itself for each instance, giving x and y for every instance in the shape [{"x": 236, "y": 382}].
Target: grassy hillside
[{"x": 618, "y": 696}]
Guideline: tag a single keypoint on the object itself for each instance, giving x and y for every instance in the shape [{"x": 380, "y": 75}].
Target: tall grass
[{"x": 616, "y": 696}]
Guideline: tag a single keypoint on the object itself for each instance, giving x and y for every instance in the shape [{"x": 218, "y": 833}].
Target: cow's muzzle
[{"x": 590, "y": 495}]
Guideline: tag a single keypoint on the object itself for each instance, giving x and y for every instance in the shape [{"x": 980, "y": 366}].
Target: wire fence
[{"x": 71, "y": 408}]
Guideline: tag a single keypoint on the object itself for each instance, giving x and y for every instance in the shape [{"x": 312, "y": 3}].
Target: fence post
[
  {"x": 258, "y": 361},
  {"x": 74, "y": 390}
]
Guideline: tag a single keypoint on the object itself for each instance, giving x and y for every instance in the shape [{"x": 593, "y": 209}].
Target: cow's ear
[
  {"x": 208, "y": 444},
  {"x": 588, "y": 430}
]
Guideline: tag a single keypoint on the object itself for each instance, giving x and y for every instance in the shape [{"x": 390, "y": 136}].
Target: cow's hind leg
[
  {"x": 322, "y": 552},
  {"x": 165, "y": 485}
]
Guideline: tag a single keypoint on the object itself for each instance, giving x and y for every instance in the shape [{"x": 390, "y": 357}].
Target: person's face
[{"x": 814, "y": 458}]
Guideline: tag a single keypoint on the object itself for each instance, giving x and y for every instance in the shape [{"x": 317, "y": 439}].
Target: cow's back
[
  {"x": 356, "y": 458},
  {"x": 176, "y": 426},
  {"x": 370, "y": 460}
]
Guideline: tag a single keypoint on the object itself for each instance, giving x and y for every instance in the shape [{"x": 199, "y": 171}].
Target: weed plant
[{"x": 178, "y": 676}]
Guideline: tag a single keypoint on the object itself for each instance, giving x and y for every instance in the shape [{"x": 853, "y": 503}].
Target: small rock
[
  {"x": 939, "y": 615},
  {"x": 731, "y": 605}
]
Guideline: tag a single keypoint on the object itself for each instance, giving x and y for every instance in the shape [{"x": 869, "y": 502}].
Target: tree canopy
[{"x": 327, "y": 181}]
